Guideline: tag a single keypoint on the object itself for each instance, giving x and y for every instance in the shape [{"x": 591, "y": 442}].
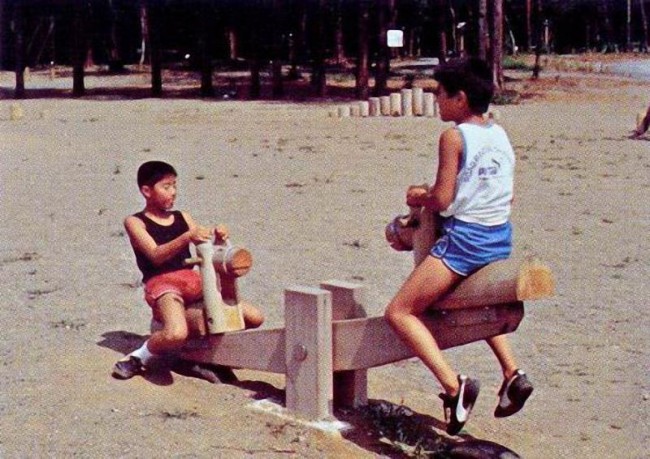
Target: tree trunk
[
  {"x": 115, "y": 62},
  {"x": 277, "y": 87},
  {"x": 231, "y": 38},
  {"x": 363, "y": 77},
  {"x": 497, "y": 43},
  {"x": 538, "y": 39},
  {"x": 603, "y": 10},
  {"x": 297, "y": 40},
  {"x": 80, "y": 48},
  {"x": 153, "y": 27},
  {"x": 483, "y": 30},
  {"x": 628, "y": 27},
  {"x": 529, "y": 31},
  {"x": 644, "y": 27},
  {"x": 144, "y": 33},
  {"x": 441, "y": 26},
  {"x": 318, "y": 78},
  {"x": 339, "y": 42},
  {"x": 19, "y": 49},
  {"x": 385, "y": 10},
  {"x": 207, "y": 89}
]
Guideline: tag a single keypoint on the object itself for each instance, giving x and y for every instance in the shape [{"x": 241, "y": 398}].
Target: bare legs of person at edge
[{"x": 427, "y": 283}]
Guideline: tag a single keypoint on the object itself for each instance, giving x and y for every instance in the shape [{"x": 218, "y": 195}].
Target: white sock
[{"x": 143, "y": 353}]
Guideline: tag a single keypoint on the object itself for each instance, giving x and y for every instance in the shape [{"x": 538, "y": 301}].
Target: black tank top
[{"x": 162, "y": 234}]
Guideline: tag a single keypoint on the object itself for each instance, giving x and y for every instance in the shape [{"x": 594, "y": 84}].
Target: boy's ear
[{"x": 146, "y": 191}]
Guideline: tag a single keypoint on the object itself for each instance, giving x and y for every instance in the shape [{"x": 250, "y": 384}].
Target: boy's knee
[
  {"x": 253, "y": 317},
  {"x": 175, "y": 334},
  {"x": 391, "y": 315}
]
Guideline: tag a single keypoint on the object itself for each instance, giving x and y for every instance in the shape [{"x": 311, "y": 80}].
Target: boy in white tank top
[{"x": 473, "y": 194}]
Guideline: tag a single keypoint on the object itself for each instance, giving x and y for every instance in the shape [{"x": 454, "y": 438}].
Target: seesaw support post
[
  {"x": 348, "y": 302},
  {"x": 308, "y": 351}
]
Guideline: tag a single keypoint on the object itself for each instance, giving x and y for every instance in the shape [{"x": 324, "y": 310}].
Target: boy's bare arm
[
  {"x": 441, "y": 194},
  {"x": 142, "y": 241}
]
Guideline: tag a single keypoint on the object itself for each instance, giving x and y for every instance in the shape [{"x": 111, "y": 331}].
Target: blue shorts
[{"x": 466, "y": 247}]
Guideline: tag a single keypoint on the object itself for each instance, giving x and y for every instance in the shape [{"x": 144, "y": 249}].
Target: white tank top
[{"x": 484, "y": 185}]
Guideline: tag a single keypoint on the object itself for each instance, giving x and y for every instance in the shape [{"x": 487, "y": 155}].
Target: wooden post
[
  {"x": 373, "y": 106},
  {"x": 348, "y": 302},
  {"x": 424, "y": 235},
  {"x": 308, "y": 352},
  {"x": 418, "y": 101},
  {"x": 384, "y": 105},
  {"x": 219, "y": 316},
  {"x": 429, "y": 104},
  {"x": 343, "y": 111},
  {"x": 364, "y": 108},
  {"x": 396, "y": 104},
  {"x": 407, "y": 102}
]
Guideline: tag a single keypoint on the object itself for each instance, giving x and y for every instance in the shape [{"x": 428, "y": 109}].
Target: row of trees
[{"x": 312, "y": 33}]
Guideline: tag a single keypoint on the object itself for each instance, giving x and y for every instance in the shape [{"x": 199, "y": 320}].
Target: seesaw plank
[
  {"x": 262, "y": 350},
  {"x": 367, "y": 343}
]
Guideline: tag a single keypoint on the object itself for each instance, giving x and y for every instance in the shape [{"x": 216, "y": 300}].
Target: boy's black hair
[
  {"x": 470, "y": 75},
  {"x": 152, "y": 172}
]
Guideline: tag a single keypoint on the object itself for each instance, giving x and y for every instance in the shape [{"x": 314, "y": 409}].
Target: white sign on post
[{"x": 395, "y": 38}]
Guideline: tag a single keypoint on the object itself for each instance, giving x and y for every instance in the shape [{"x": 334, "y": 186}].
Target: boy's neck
[
  {"x": 473, "y": 118},
  {"x": 157, "y": 212}
]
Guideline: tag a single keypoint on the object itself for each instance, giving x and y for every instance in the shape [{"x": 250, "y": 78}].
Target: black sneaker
[
  {"x": 458, "y": 408},
  {"x": 513, "y": 395},
  {"x": 128, "y": 367}
]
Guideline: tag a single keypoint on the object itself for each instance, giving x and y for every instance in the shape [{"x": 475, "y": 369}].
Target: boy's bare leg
[
  {"x": 503, "y": 352},
  {"x": 427, "y": 283},
  {"x": 170, "y": 311},
  {"x": 195, "y": 316}
]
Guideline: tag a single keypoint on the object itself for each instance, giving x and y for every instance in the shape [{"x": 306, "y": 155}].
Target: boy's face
[
  {"x": 163, "y": 194},
  {"x": 449, "y": 105}
]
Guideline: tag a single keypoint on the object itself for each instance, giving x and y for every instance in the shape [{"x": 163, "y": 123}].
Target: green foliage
[{"x": 513, "y": 63}]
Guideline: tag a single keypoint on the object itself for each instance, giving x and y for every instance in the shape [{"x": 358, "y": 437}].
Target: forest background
[{"x": 288, "y": 38}]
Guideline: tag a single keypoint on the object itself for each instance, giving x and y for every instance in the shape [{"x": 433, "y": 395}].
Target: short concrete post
[
  {"x": 355, "y": 110},
  {"x": 429, "y": 104},
  {"x": 396, "y": 104},
  {"x": 418, "y": 101},
  {"x": 384, "y": 104},
  {"x": 308, "y": 352},
  {"x": 407, "y": 102},
  {"x": 364, "y": 108},
  {"x": 348, "y": 302},
  {"x": 343, "y": 111},
  {"x": 373, "y": 106}
]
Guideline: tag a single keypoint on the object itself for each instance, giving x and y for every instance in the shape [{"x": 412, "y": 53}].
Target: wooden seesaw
[{"x": 328, "y": 343}]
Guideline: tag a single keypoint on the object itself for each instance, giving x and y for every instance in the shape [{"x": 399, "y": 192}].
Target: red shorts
[{"x": 186, "y": 283}]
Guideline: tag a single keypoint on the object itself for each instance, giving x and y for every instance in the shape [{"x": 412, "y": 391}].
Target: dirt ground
[{"x": 309, "y": 195}]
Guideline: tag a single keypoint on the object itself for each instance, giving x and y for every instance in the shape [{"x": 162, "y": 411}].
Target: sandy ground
[{"x": 310, "y": 195}]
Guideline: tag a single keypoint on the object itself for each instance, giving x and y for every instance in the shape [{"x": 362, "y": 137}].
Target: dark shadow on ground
[
  {"x": 162, "y": 371},
  {"x": 395, "y": 431}
]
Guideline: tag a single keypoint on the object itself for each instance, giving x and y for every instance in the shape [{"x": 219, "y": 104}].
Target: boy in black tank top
[{"x": 161, "y": 238}]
